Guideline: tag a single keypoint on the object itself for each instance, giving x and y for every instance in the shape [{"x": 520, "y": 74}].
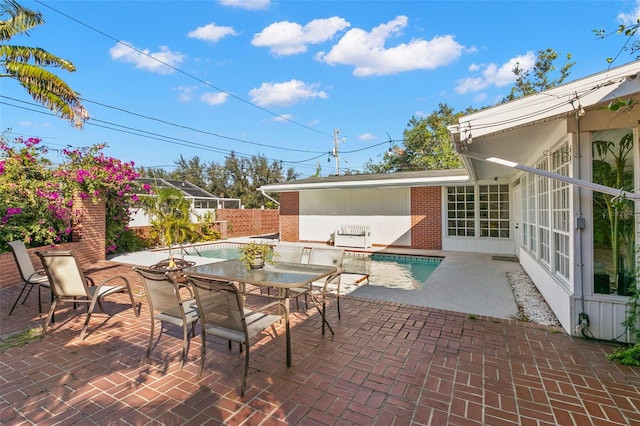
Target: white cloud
[
  {"x": 25, "y": 123},
  {"x": 158, "y": 62},
  {"x": 285, "y": 94},
  {"x": 211, "y": 32},
  {"x": 247, "y": 4},
  {"x": 474, "y": 67},
  {"x": 630, "y": 18},
  {"x": 284, "y": 118},
  {"x": 366, "y": 51},
  {"x": 367, "y": 137},
  {"x": 214, "y": 98},
  {"x": 290, "y": 38},
  {"x": 185, "y": 93},
  {"x": 494, "y": 75},
  {"x": 481, "y": 97}
]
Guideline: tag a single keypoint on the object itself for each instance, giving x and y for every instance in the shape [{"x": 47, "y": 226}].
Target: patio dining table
[{"x": 279, "y": 275}]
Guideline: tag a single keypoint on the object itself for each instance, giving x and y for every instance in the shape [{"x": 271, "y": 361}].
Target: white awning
[{"x": 616, "y": 192}]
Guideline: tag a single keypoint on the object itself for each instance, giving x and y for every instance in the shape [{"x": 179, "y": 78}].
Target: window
[
  {"x": 542, "y": 185},
  {"x": 560, "y": 162},
  {"x": 494, "y": 211},
  {"x": 461, "y": 211},
  {"x": 524, "y": 213},
  {"x": 531, "y": 185},
  {"x": 547, "y": 213},
  {"x": 491, "y": 204}
]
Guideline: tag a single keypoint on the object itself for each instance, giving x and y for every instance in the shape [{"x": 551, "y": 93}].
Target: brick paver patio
[{"x": 388, "y": 364}]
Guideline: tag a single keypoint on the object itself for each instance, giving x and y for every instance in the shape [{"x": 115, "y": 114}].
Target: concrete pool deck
[{"x": 471, "y": 283}]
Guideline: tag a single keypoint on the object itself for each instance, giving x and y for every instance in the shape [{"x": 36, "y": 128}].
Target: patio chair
[
  {"x": 167, "y": 305},
  {"x": 285, "y": 253},
  {"x": 30, "y": 276},
  {"x": 329, "y": 257},
  {"x": 223, "y": 315},
  {"x": 288, "y": 253},
  {"x": 69, "y": 284}
]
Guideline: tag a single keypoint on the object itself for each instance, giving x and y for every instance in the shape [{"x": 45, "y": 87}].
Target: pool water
[
  {"x": 385, "y": 270},
  {"x": 222, "y": 253},
  {"x": 393, "y": 271}
]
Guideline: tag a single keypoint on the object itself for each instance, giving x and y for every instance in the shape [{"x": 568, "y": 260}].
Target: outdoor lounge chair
[
  {"x": 167, "y": 305},
  {"x": 29, "y": 275},
  {"x": 69, "y": 284},
  {"x": 323, "y": 256},
  {"x": 222, "y": 314}
]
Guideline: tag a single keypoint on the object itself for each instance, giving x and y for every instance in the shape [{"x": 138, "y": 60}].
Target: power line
[
  {"x": 206, "y": 83},
  {"x": 193, "y": 144},
  {"x": 154, "y": 136},
  {"x": 205, "y": 132},
  {"x": 164, "y": 138}
]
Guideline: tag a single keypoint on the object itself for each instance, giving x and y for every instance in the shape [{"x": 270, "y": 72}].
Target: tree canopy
[
  {"x": 540, "y": 77},
  {"x": 630, "y": 44},
  {"x": 237, "y": 177},
  {"x": 25, "y": 64},
  {"x": 426, "y": 143}
]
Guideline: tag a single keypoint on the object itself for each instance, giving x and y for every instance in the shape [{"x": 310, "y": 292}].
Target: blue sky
[{"x": 203, "y": 78}]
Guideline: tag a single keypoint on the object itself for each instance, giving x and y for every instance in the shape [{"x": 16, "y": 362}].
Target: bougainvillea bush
[{"x": 36, "y": 197}]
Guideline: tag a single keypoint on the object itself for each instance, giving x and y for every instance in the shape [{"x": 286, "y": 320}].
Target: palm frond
[
  {"x": 26, "y": 54},
  {"x": 48, "y": 89},
  {"x": 20, "y": 22}
]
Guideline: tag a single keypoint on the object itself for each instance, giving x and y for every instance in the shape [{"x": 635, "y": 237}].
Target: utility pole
[{"x": 335, "y": 152}]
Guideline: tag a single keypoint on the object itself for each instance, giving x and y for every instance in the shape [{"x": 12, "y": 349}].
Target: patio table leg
[{"x": 287, "y": 327}]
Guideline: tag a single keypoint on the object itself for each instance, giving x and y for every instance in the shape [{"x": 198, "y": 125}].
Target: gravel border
[{"x": 531, "y": 305}]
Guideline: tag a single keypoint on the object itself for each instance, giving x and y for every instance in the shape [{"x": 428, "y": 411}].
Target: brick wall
[
  {"x": 89, "y": 242},
  {"x": 91, "y": 230},
  {"x": 426, "y": 218},
  {"x": 289, "y": 216},
  {"x": 245, "y": 222}
]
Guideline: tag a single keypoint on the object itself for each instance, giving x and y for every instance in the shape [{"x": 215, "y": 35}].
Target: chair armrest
[
  {"x": 108, "y": 280},
  {"x": 264, "y": 307}
]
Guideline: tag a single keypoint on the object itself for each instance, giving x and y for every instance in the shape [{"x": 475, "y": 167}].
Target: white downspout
[{"x": 269, "y": 197}]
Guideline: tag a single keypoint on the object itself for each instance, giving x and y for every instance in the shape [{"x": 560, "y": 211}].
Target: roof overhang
[
  {"x": 517, "y": 130},
  {"x": 388, "y": 180}
]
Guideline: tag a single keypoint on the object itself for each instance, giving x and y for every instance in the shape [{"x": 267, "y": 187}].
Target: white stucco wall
[
  {"x": 140, "y": 218},
  {"x": 386, "y": 210}
]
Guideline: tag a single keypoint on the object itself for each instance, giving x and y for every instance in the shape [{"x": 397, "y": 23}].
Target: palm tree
[
  {"x": 25, "y": 65},
  {"x": 170, "y": 213}
]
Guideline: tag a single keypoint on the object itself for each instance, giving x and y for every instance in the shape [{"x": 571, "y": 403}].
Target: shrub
[{"x": 37, "y": 198}]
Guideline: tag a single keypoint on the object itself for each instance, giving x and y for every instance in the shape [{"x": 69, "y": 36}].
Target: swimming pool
[
  {"x": 385, "y": 270},
  {"x": 393, "y": 270}
]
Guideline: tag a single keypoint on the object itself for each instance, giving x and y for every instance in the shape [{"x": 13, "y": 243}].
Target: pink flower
[{"x": 32, "y": 142}]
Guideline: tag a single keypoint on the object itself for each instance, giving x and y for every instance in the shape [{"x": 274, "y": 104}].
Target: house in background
[
  {"x": 401, "y": 209},
  {"x": 551, "y": 178},
  {"x": 201, "y": 200}
]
